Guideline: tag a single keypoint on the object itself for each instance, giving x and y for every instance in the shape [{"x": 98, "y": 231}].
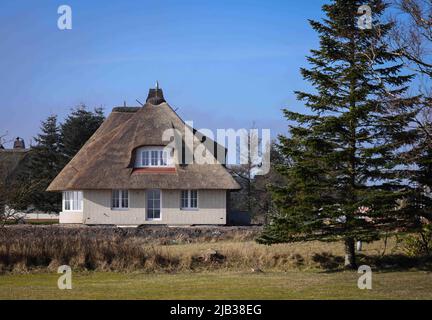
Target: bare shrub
[
  {"x": 25, "y": 248},
  {"x": 32, "y": 248}
]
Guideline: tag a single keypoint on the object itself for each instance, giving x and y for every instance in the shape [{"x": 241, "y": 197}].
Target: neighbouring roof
[
  {"x": 19, "y": 143},
  {"x": 106, "y": 160},
  {"x": 11, "y": 161}
]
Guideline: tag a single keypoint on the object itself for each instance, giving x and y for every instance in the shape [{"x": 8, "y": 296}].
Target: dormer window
[{"x": 153, "y": 157}]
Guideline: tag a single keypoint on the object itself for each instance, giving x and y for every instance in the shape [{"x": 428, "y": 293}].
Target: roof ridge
[{"x": 126, "y": 109}]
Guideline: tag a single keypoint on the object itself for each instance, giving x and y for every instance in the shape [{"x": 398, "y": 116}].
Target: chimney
[
  {"x": 155, "y": 96},
  {"x": 19, "y": 143}
]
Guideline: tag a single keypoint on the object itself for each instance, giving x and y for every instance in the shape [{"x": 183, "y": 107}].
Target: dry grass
[{"x": 29, "y": 249}]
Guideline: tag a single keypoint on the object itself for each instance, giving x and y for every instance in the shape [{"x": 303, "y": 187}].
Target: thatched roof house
[{"x": 126, "y": 174}]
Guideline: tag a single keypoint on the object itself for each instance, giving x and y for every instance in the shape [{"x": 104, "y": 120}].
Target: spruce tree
[
  {"x": 419, "y": 163},
  {"x": 44, "y": 165},
  {"x": 78, "y": 127},
  {"x": 344, "y": 173}
]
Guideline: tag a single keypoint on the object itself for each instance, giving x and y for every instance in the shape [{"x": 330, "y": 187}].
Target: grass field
[{"x": 219, "y": 285}]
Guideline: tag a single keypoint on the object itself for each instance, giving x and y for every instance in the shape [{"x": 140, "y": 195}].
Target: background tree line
[{"x": 55, "y": 145}]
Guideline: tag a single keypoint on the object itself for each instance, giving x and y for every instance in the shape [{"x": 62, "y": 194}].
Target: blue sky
[{"x": 224, "y": 64}]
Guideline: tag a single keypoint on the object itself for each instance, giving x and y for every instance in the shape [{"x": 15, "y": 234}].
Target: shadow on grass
[{"x": 386, "y": 263}]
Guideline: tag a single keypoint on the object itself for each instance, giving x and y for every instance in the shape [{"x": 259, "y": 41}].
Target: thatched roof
[
  {"x": 11, "y": 160},
  {"x": 106, "y": 160}
]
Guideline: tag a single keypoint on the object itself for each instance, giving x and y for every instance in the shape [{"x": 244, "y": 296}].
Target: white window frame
[
  {"x": 163, "y": 159},
  {"x": 189, "y": 200},
  {"x": 147, "y": 206},
  {"x": 76, "y": 201},
  {"x": 120, "y": 207}
]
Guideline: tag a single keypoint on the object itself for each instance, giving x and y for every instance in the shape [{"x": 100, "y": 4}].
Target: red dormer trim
[{"x": 155, "y": 170}]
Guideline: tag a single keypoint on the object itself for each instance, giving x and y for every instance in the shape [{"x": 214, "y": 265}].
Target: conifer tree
[
  {"x": 419, "y": 164},
  {"x": 344, "y": 170},
  {"x": 44, "y": 165},
  {"x": 78, "y": 127},
  {"x": 55, "y": 146}
]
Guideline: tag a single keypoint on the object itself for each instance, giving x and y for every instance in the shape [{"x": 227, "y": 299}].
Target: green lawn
[{"x": 220, "y": 285}]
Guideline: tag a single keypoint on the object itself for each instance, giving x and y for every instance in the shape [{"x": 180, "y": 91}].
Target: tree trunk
[{"x": 350, "y": 255}]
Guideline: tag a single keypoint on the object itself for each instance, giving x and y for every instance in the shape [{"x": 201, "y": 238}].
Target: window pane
[
  {"x": 145, "y": 158},
  {"x": 80, "y": 200},
  {"x": 154, "y": 158},
  {"x": 163, "y": 158},
  {"x": 194, "y": 199},
  {"x": 75, "y": 201},
  {"x": 150, "y": 195},
  {"x": 156, "y": 214},
  {"x": 66, "y": 196},
  {"x": 184, "y": 199},
  {"x": 150, "y": 203},
  {"x": 115, "y": 198},
  {"x": 157, "y": 194},
  {"x": 125, "y": 199}
]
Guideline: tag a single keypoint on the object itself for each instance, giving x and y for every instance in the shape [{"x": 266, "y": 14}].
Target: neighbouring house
[
  {"x": 12, "y": 163},
  {"x": 12, "y": 160},
  {"x": 125, "y": 174}
]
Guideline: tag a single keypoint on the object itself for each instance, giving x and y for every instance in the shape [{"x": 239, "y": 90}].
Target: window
[
  {"x": 153, "y": 157},
  {"x": 189, "y": 199},
  {"x": 120, "y": 199},
  {"x": 72, "y": 200},
  {"x": 153, "y": 204}
]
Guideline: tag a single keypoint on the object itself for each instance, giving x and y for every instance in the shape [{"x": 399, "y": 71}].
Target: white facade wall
[
  {"x": 211, "y": 208},
  {"x": 71, "y": 217}
]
